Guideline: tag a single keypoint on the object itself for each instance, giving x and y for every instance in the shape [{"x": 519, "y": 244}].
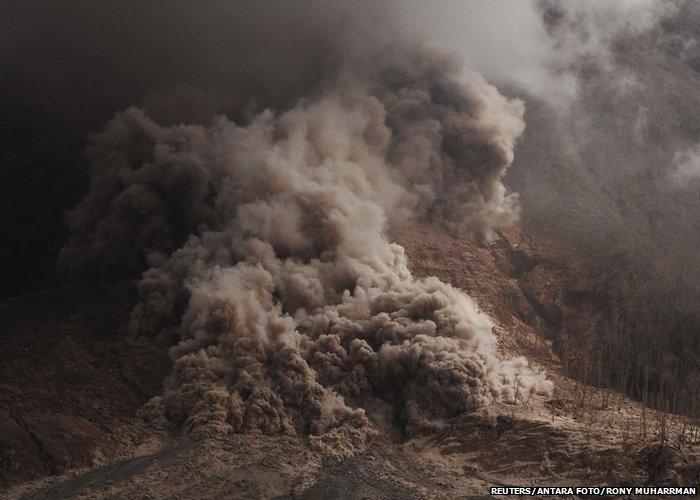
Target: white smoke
[
  {"x": 537, "y": 46},
  {"x": 686, "y": 165},
  {"x": 269, "y": 259}
]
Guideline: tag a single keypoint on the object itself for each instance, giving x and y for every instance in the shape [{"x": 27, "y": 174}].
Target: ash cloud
[
  {"x": 68, "y": 66},
  {"x": 84, "y": 60},
  {"x": 598, "y": 174},
  {"x": 686, "y": 165},
  {"x": 611, "y": 108},
  {"x": 225, "y": 88},
  {"x": 536, "y": 46},
  {"x": 267, "y": 256},
  {"x": 602, "y": 173}
]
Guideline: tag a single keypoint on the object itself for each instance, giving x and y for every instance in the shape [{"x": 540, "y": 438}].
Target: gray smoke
[
  {"x": 604, "y": 173},
  {"x": 517, "y": 43},
  {"x": 267, "y": 255},
  {"x": 686, "y": 166},
  {"x": 607, "y": 175}
]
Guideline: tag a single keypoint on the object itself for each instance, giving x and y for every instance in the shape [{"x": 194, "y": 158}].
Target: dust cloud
[{"x": 265, "y": 250}]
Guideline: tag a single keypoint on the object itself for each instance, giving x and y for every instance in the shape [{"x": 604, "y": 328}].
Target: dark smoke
[{"x": 68, "y": 66}]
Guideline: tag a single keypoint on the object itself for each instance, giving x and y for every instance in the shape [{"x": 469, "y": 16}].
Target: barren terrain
[{"x": 70, "y": 427}]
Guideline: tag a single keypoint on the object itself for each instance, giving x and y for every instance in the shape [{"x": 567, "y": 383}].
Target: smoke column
[{"x": 265, "y": 250}]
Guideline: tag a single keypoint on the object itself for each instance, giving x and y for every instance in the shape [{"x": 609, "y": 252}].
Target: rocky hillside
[{"x": 73, "y": 383}]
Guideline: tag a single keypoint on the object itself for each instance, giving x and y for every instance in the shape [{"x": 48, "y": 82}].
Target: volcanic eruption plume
[{"x": 263, "y": 250}]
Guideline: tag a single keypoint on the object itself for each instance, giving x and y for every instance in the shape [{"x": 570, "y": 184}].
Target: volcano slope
[
  {"x": 306, "y": 307},
  {"x": 70, "y": 425}
]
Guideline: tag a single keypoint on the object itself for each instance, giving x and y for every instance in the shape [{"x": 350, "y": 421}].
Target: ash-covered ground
[
  {"x": 386, "y": 249},
  {"x": 70, "y": 428}
]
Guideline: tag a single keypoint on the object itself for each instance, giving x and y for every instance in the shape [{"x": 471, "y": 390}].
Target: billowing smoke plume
[{"x": 267, "y": 254}]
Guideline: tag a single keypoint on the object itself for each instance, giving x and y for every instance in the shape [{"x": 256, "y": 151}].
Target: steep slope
[
  {"x": 613, "y": 178},
  {"x": 70, "y": 382},
  {"x": 581, "y": 435}
]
